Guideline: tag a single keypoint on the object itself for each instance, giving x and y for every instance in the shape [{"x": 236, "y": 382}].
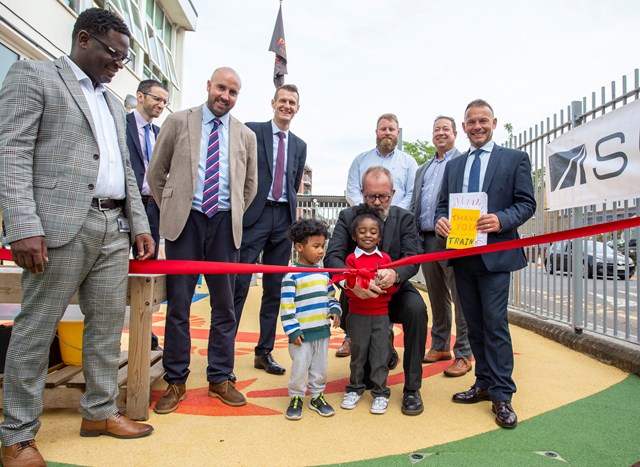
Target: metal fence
[
  {"x": 604, "y": 303},
  {"x": 572, "y": 292}
]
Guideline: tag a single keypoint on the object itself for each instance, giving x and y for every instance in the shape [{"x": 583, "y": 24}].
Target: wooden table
[{"x": 145, "y": 294}]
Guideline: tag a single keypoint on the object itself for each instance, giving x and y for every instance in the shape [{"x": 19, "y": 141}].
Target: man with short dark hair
[
  {"x": 152, "y": 97},
  {"x": 438, "y": 276},
  {"x": 71, "y": 208},
  {"x": 399, "y": 240},
  {"x": 482, "y": 281},
  {"x": 281, "y": 159}
]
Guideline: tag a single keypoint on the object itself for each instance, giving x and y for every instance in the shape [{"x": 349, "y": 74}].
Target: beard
[
  {"x": 382, "y": 212},
  {"x": 387, "y": 144}
]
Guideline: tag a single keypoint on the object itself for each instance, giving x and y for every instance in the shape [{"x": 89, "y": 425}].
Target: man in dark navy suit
[
  {"x": 281, "y": 160},
  {"x": 482, "y": 281},
  {"x": 152, "y": 98}
]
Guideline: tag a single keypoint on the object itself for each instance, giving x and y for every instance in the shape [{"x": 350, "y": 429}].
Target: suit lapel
[
  {"x": 132, "y": 130},
  {"x": 71, "y": 81},
  {"x": 494, "y": 160},
  {"x": 291, "y": 158},
  {"x": 194, "y": 127},
  {"x": 459, "y": 174},
  {"x": 389, "y": 229},
  {"x": 267, "y": 138}
]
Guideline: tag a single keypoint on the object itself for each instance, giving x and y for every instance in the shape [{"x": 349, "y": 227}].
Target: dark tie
[
  {"x": 212, "y": 173},
  {"x": 147, "y": 141},
  {"x": 474, "y": 174},
  {"x": 278, "y": 177}
]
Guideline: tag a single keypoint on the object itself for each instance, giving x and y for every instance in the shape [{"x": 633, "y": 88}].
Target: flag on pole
[{"x": 278, "y": 46}]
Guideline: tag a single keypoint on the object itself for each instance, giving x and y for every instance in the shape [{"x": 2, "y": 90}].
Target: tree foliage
[{"x": 420, "y": 150}]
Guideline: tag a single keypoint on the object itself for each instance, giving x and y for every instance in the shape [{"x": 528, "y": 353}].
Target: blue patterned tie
[
  {"x": 147, "y": 141},
  {"x": 212, "y": 173},
  {"x": 474, "y": 174}
]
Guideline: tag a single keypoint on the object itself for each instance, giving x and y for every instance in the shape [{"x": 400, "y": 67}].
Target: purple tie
[
  {"x": 212, "y": 173},
  {"x": 278, "y": 177}
]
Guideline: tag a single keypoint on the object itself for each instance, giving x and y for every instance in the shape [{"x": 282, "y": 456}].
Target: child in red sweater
[{"x": 368, "y": 321}]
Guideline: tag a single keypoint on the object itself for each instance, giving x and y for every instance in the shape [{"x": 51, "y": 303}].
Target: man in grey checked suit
[
  {"x": 438, "y": 276},
  {"x": 67, "y": 193}
]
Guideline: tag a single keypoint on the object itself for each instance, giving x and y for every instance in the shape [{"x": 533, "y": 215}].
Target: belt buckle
[{"x": 100, "y": 201}]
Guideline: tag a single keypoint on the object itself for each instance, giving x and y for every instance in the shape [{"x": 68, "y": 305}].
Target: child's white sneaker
[
  {"x": 350, "y": 400},
  {"x": 379, "y": 405}
]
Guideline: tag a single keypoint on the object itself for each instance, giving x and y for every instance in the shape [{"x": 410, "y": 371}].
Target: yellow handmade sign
[{"x": 463, "y": 228}]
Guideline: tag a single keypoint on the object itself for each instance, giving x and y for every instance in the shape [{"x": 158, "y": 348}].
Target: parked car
[
  {"x": 633, "y": 248},
  {"x": 558, "y": 258}
]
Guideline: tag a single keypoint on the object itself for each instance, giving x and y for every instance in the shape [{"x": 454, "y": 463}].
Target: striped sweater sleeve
[{"x": 288, "y": 307}]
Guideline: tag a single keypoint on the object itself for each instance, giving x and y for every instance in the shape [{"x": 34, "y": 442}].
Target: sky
[{"x": 354, "y": 60}]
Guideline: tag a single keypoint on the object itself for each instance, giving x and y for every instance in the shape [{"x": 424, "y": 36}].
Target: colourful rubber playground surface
[{"x": 573, "y": 410}]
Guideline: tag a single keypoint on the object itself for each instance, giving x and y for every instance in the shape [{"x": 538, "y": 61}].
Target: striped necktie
[{"x": 212, "y": 173}]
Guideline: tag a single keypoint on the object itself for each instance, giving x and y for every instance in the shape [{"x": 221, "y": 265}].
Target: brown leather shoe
[
  {"x": 459, "y": 367},
  {"x": 434, "y": 355},
  {"x": 117, "y": 426},
  {"x": 345, "y": 348},
  {"x": 227, "y": 393},
  {"x": 171, "y": 398},
  {"x": 23, "y": 454}
]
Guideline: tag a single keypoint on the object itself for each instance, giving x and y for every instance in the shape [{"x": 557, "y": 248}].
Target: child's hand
[
  {"x": 298, "y": 340},
  {"x": 336, "y": 319}
]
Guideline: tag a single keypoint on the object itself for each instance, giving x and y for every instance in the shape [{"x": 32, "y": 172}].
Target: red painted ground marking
[{"x": 198, "y": 402}]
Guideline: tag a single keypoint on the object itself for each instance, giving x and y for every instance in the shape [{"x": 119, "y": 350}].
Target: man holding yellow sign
[{"x": 482, "y": 281}]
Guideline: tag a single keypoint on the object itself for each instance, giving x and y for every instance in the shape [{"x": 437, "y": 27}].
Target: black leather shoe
[
  {"x": 232, "y": 377},
  {"x": 505, "y": 416},
  {"x": 473, "y": 395},
  {"x": 267, "y": 363},
  {"x": 412, "y": 403},
  {"x": 393, "y": 360}
]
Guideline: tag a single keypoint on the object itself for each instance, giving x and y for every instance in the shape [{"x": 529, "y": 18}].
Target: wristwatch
[{"x": 397, "y": 282}]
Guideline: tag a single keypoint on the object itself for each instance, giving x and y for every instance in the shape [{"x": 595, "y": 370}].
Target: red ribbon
[{"x": 365, "y": 275}]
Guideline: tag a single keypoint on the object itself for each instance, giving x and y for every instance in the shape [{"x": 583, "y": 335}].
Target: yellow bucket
[{"x": 70, "y": 337}]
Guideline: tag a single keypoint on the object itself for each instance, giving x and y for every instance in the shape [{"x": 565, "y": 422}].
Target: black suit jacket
[
  {"x": 399, "y": 239},
  {"x": 136, "y": 153},
  {"x": 509, "y": 189},
  {"x": 296, "y": 158}
]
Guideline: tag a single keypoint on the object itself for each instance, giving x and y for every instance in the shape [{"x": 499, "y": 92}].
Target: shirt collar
[
  {"x": 140, "y": 121},
  {"x": 486, "y": 148},
  {"x": 275, "y": 129},
  {"x": 82, "y": 76},
  {"x": 358, "y": 252},
  {"x": 207, "y": 117},
  {"x": 388, "y": 155}
]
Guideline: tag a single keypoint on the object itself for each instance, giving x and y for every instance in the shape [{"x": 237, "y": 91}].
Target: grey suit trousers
[
  {"x": 441, "y": 287},
  {"x": 95, "y": 263}
]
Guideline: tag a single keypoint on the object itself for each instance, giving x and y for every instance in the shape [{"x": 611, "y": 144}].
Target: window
[
  {"x": 7, "y": 58},
  {"x": 151, "y": 40}
]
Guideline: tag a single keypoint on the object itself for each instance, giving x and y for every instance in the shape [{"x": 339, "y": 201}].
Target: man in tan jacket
[{"x": 203, "y": 176}]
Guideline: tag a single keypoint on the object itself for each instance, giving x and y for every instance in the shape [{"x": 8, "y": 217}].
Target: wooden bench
[{"x": 139, "y": 367}]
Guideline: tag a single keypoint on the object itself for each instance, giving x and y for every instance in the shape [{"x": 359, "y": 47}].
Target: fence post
[{"x": 577, "y": 257}]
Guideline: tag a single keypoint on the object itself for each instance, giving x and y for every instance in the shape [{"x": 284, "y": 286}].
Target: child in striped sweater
[{"x": 307, "y": 303}]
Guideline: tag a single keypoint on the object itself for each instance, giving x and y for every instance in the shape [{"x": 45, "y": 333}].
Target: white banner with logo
[{"x": 596, "y": 162}]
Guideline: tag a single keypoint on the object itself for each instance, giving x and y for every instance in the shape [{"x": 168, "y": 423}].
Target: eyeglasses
[
  {"x": 158, "y": 99},
  {"x": 372, "y": 198},
  {"x": 117, "y": 56}
]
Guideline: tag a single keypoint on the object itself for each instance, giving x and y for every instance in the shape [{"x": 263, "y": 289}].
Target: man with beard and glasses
[
  {"x": 399, "y": 240},
  {"x": 401, "y": 165},
  {"x": 203, "y": 175}
]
